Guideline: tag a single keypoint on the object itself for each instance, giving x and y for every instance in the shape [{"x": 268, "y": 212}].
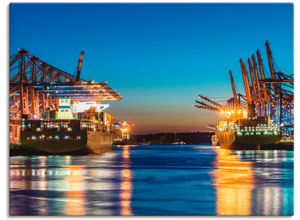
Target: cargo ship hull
[
  {"x": 230, "y": 140},
  {"x": 98, "y": 142},
  {"x": 80, "y": 142}
]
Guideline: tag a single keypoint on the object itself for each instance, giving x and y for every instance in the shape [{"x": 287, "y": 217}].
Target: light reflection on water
[
  {"x": 234, "y": 182},
  {"x": 75, "y": 195},
  {"x": 154, "y": 180},
  {"x": 126, "y": 183}
]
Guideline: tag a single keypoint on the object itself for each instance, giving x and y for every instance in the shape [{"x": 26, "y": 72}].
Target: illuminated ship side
[
  {"x": 247, "y": 134},
  {"x": 72, "y": 128},
  {"x": 64, "y": 136}
]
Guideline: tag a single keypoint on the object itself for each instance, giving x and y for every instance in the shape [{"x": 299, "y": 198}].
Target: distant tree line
[{"x": 169, "y": 138}]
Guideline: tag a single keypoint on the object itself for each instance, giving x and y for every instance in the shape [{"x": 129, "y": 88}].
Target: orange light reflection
[
  {"x": 234, "y": 183},
  {"x": 75, "y": 195},
  {"x": 126, "y": 183}
]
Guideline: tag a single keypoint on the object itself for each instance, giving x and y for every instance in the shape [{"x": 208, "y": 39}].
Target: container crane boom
[
  {"x": 271, "y": 66},
  {"x": 204, "y": 108},
  {"x": 253, "y": 82},
  {"x": 79, "y": 66},
  {"x": 207, "y": 106},
  {"x": 257, "y": 77},
  {"x": 262, "y": 74},
  {"x": 246, "y": 82},
  {"x": 235, "y": 100},
  {"x": 211, "y": 101}
]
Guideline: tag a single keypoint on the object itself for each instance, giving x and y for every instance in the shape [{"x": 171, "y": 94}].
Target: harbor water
[{"x": 154, "y": 180}]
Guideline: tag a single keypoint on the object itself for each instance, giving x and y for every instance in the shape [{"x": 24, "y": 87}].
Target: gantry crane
[
  {"x": 36, "y": 85},
  {"x": 271, "y": 97}
]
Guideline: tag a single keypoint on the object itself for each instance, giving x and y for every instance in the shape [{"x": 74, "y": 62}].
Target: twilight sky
[{"x": 158, "y": 56}]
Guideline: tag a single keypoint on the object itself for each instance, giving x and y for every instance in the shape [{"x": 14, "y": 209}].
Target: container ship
[
  {"x": 246, "y": 134},
  {"x": 61, "y": 133},
  {"x": 55, "y": 112},
  {"x": 261, "y": 118}
]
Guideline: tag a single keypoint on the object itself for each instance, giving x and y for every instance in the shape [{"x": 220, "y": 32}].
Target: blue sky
[{"x": 158, "y": 56}]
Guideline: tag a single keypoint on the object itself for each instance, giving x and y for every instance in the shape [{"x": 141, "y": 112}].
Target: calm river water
[{"x": 154, "y": 180}]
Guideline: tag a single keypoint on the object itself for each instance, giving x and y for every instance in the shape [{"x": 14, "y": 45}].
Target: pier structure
[
  {"x": 269, "y": 93},
  {"x": 36, "y": 86}
]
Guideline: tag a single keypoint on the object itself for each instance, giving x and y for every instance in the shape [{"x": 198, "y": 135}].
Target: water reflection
[
  {"x": 65, "y": 185},
  {"x": 75, "y": 193},
  {"x": 154, "y": 180},
  {"x": 234, "y": 182},
  {"x": 253, "y": 183},
  {"x": 270, "y": 156},
  {"x": 51, "y": 185},
  {"x": 126, "y": 183}
]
